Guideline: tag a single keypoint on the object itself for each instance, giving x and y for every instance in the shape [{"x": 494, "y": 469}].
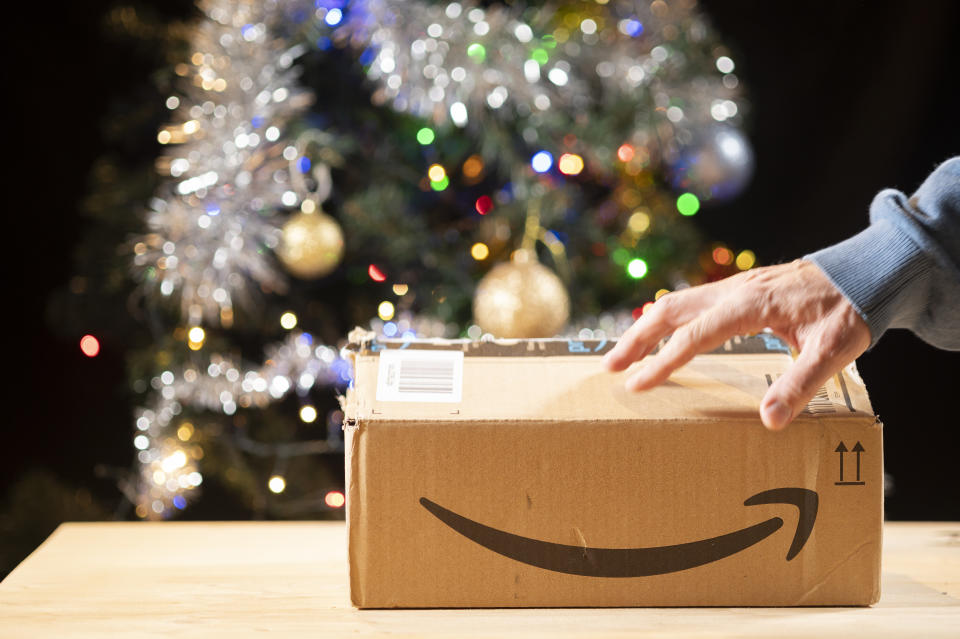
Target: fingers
[
  {"x": 705, "y": 333},
  {"x": 787, "y": 396},
  {"x": 665, "y": 316}
]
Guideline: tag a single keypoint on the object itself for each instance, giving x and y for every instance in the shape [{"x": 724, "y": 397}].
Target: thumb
[{"x": 788, "y": 395}]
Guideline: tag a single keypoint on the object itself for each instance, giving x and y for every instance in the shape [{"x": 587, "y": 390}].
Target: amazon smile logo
[{"x": 638, "y": 562}]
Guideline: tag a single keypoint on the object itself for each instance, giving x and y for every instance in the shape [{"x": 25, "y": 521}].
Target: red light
[
  {"x": 484, "y": 204},
  {"x": 89, "y": 345},
  {"x": 636, "y": 313},
  {"x": 625, "y": 153},
  {"x": 334, "y": 499},
  {"x": 722, "y": 256},
  {"x": 375, "y": 273},
  {"x": 646, "y": 307}
]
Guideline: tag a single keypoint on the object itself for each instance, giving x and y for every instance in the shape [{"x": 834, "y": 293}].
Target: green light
[
  {"x": 425, "y": 136},
  {"x": 688, "y": 204},
  {"x": 620, "y": 256},
  {"x": 477, "y": 52},
  {"x": 637, "y": 268},
  {"x": 549, "y": 41},
  {"x": 441, "y": 185},
  {"x": 540, "y": 55}
]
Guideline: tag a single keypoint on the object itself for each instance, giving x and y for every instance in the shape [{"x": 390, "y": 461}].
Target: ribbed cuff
[{"x": 880, "y": 271}]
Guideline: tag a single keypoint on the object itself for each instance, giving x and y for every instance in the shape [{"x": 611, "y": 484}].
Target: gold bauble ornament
[
  {"x": 521, "y": 299},
  {"x": 311, "y": 245}
]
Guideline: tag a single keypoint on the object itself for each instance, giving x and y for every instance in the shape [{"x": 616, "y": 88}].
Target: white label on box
[{"x": 409, "y": 375}]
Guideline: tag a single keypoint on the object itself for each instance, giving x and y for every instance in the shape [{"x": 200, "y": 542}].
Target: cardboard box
[{"x": 520, "y": 473}]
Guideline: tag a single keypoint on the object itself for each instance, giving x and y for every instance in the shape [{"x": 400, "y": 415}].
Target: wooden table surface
[{"x": 239, "y": 579}]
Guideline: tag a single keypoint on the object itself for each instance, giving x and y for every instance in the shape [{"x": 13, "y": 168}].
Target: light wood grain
[{"x": 244, "y": 579}]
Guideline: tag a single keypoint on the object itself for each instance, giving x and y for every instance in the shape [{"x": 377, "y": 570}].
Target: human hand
[{"x": 795, "y": 300}]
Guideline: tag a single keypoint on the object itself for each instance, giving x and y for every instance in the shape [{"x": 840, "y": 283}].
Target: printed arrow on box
[{"x": 637, "y": 562}]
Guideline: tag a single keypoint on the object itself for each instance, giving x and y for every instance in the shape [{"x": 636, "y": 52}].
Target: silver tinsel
[{"x": 230, "y": 159}]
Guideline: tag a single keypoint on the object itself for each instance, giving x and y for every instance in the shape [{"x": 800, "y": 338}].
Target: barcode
[
  {"x": 820, "y": 403},
  {"x": 425, "y": 376},
  {"x": 412, "y": 375}
]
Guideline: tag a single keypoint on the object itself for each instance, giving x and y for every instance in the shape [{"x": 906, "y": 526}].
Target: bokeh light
[
  {"x": 473, "y": 166},
  {"x": 308, "y": 414},
  {"x": 625, "y": 153},
  {"x": 436, "y": 173},
  {"x": 334, "y": 499},
  {"x": 89, "y": 345},
  {"x": 541, "y": 161},
  {"x": 688, "y": 204},
  {"x": 637, "y": 268},
  {"x": 723, "y": 256},
  {"x": 746, "y": 260},
  {"x": 479, "y": 251},
  {"x": 376, "y": 274},
  {"x": 570, "y": 164},
  {"x": 277, "y": 484},
  {"x": 484, "y": 204},
  {"x": 426, "y": 136},
  {"x": 288, "y": 320},
  {"x": 386, "y": 310}
]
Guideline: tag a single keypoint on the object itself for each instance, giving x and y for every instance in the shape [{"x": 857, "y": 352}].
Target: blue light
[
  {"x": 245, "y": 29},
  {"x": 541, "y": 161},
  {"x": 409, "y": 335},
  {"x": 304, "y": 164},
  {"x": 634, "y": 28},
  {"x": 367, "y": 57},
  {"x": 180, "y": 502},
  {"x": 257, "y": 122},
  {"x": 213, "y": 209},
  {"x": 390, "y": 329},
  {"x": 334, "y": 16},
  {"x": 306, "y": 338},
  {"x": 324, "y": 43}
]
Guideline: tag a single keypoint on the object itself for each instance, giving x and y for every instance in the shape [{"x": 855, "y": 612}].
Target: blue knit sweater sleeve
[{"x": 903, "y": 271}]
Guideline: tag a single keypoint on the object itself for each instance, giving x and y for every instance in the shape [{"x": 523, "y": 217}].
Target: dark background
[{"x": 847, "y": 98}]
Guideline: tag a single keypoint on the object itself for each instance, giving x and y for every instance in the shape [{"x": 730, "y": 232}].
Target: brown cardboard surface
[{"x": 548, "y": 485}]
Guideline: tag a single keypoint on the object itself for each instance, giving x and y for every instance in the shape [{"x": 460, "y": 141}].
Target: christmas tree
[{"x": 418, "y": 169}]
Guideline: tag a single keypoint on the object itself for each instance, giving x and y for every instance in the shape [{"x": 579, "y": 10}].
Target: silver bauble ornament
[{"x": 715, "y": 165}]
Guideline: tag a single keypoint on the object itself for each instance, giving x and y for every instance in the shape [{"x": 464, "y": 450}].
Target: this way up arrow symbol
[
  {"x": 857, "y": 448},
  {"x": 841, "y": 448}
]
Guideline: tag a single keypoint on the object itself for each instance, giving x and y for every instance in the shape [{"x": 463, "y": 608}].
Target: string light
[
  {"x": 746, "y": 260},
  {"x": 308, "y": 414},
  {"x": 625, "y": 153},
  {"x": 385, "y": 310},
  {"x": 185, "y": 431},
  {"x": 426, "y": 136},
  {"x": 288, "y": 320},
  {"x": 376, "y": 274},
  {"x": 89, "y": 345},
  {"x": 195, "y": 338},
  {"x": 688, "y": 204},
  {"x": 277, "y": 484},
  {"x": 436, "y": 173},
  {"x": 723, "y": 256},
  {"x": 484, "y": 204},
  {"x": 637, "y": 268},
  {"x": 334, "y": 499},
  {"x": 570, "y": 164},
  {"x": 400, "y": 289},
  {"x": 473, "y": 167},
  {"x": 479, "y": 251},
  {"x": 541, "y": 161}
]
